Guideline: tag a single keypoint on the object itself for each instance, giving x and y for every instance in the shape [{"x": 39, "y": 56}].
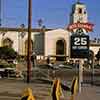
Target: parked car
[
  {"x": 10, "y": 72},
  {"x": 2, "y": 69}
]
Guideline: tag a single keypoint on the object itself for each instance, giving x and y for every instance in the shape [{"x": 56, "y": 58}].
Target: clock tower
[{"x": 78, "y": 13}]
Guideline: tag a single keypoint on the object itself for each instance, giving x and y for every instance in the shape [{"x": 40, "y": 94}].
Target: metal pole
[
  {"x": 0, "y": 13},
  {"x": 29, "y": 49},
  {"x": 92, "y": 76},
  {"x": 80, "y": 75}
]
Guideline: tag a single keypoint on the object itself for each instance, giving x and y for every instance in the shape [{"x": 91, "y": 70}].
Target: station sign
[
  {"x": 87, "y": 26},
  {"x": 79, "y": 46}
]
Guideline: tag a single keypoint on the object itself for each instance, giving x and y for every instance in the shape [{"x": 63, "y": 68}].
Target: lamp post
[{"x": 29, "y": 49}]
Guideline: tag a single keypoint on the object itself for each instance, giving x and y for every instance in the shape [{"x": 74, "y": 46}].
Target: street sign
[{"x": 79, "y": 46}]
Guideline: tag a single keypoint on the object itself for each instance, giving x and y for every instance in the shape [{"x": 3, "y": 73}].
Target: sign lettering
[
  {"x": 79, "y": 46},
  {"x": 87, "y": 26}
]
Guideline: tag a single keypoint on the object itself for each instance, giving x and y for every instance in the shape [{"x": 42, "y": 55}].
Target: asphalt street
[{"x": 12, "y": 88}]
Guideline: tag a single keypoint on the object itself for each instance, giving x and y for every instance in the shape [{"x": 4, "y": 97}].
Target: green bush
[{"x": 7, "y": 65}]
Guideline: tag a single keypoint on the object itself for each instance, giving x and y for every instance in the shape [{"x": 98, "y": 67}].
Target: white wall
[
  {"x": 51, "y": 38},
  {"x": 44, "y": 44},
  {"x": 95, "y": 49},
  {"x": 13, "y": 36}
]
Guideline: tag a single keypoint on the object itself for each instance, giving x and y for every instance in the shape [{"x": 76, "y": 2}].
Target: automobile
[
  {"x": 96, "y": 70},
  {"x": 64, "y": 66},
  {"x": 2, "y": 69},
  {"x": 61, "y": 65},
  {"x": 97, "y": 66},
  {"x": 10, "y": 72}
]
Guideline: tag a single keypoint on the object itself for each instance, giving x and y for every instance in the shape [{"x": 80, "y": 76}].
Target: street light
[{"x": 29, "y": 49}]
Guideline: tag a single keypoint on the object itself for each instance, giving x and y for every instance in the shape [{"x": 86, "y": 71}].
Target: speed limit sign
[{"x": 79, "y": 46}]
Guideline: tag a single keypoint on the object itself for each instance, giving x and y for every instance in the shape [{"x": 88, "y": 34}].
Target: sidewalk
[{"x": 12, "y": 90}]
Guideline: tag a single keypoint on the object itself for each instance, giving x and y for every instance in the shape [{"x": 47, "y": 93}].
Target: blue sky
[{"x": 54, "y": 13}]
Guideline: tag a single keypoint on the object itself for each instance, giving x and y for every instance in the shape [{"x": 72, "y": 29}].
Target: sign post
[
  {"x": 80, "y": 50},
  {"x": 80, "y": 75},
  {"x": 80, "y": 44}
]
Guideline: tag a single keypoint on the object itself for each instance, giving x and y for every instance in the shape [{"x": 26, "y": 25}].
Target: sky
[{"x": 54, "y": 13}]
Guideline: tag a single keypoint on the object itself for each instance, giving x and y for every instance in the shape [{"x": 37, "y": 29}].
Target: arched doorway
[{"x": 60, "y": 50}]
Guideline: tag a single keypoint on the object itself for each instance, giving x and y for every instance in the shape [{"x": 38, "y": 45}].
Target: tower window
[
  {"x": 84, "y": 12},
  {"x": 80, "y": 10}
]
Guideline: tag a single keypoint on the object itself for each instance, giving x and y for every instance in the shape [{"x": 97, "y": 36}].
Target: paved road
[
  {"x": 12, "y": 90},
  {"x": 89, "y": 93}
]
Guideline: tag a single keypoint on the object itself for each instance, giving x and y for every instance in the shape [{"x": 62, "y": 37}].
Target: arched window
[
  {"x": 80, "y": 10},
  {"x": 7, "y": 42}
]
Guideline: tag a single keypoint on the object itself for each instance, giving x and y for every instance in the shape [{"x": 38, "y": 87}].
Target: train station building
[{"x": 51, "y": 42}]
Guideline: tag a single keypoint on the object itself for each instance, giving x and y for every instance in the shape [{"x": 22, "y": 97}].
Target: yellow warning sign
[
  {"x": 27, "y": 94},
  {"x": 56, "y": 90},
  {"x": 74, "y": 86}
]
